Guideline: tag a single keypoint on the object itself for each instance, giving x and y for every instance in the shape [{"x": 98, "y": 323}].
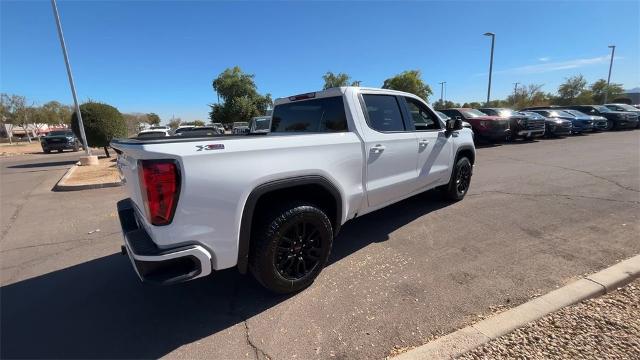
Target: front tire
[
  {"x": 460, "y": 179},
  {"x": 290, "y": 247},
  {"x": 610, "y": 125}
]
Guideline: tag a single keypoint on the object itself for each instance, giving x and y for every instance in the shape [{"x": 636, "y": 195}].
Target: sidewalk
[
  {"x": 20, "y": 148},
  {"x": 90, "y": 177},
  {"x": 600, "y": 328}
]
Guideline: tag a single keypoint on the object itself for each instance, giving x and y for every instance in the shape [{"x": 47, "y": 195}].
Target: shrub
[{"x": 102, "y": 123}]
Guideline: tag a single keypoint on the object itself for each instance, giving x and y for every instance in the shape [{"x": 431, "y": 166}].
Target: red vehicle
[{"x": 486, "y": 127}]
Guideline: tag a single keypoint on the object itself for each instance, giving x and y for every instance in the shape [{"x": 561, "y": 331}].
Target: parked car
[
  {"x": 220, "y": 127},
  {"x": 615, "y": 119},
  {"x": 485, "y": 127},
  {"x": 578, "y": 126},
  {"x": 625, "y": 108},
  {"x": 182, "y": 129},
  {"x": 260, "y": 125},
  {"x": 444, "y": 117},
  {"x": 599, "y": 123},
  {"x": 273, "y": 204},
  {"x": 60, "y": 140},
  {"x": 521, "y": 125},
  {"x": 552, "y": 126},
  {"x": 154, "y": 133},
  {"x": 201, "y": 131},
  {"x": 240, "y": 127}
]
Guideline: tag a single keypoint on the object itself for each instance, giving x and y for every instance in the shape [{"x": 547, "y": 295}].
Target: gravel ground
[{"x": 607, "y": 327}]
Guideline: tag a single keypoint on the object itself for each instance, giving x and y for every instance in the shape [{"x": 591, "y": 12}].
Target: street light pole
[
  {"x": 442, "y": 91},
  {"x": 515, "y": 91},
  {"x": 493, "y": 40},
  {"x": 71, "y": 83},
  {"x": 606, "y": 92}
]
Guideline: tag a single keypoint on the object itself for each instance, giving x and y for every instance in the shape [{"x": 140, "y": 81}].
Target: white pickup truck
[{"x": 273, "y": 203}]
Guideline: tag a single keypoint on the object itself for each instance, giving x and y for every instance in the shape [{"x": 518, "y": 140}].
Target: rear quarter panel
[{"x": 217, "y": 183}]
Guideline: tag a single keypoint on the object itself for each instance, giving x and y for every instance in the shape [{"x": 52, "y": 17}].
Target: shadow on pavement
[
  {"x": 43, "y": 164},
  {"x": 99, "y": 309}
]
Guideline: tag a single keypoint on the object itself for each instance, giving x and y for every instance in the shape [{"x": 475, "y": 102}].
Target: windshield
[
  {"x": 506, "y": 112},
  {"x": 532, "y": 115},
  {"x": 575, "y": 113},
  {"x": 626, "y": 107},
  {"x": 240, "y": 124},
  {"x": 602, "y": 109},
  {"x": 558, "y": 113},
  {"x": 61, "y": 133},
  {"x": 472, "y": 113}
]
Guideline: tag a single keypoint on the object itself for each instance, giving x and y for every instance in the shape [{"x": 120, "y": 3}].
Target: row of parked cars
[
  {"x": 502, "y": 124},
  {"x": 237, "y": 128}
]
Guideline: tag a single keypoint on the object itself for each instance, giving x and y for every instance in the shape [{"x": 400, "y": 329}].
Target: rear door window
[
  {"x": 317, "y": 115},
  {"x": 383, "y": 113}
]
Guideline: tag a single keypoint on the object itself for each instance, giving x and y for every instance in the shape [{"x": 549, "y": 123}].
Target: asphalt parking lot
[{"x": 537, "y": 216}]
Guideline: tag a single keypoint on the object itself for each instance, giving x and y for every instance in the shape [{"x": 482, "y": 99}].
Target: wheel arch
[
  {"x": 292, "y": 185},
  {"x": 468, "y": 151}
]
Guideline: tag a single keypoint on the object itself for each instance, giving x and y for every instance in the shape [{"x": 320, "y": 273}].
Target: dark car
[
  {"x": 486, "y": 127},
  {"x": 60, "y": 140},
  {"x": 552, "y": 126},
  {"x": 625, "y": 108},
  {"x": 599, "y": 122},
  {"x": 578, "y": 126},
  {"x": 615, "y": 119},
  {"x": 521, "y": 125}
]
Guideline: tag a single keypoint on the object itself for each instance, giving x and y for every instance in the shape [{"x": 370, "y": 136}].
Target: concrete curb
[
  {"x": 61, "y": 185},
  {"x": 473, "y": 336}
]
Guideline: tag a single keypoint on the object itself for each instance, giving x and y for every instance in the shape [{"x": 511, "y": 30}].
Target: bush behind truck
[{"x": 102, "y": 123}]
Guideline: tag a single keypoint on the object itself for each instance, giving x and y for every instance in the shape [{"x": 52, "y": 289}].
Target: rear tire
[
  {"x": 290, "y": 246},
  {"x": 460, "y": 179}
]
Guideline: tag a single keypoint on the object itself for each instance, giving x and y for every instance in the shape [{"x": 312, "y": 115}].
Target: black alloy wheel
[{"x": 298, "y": 250}]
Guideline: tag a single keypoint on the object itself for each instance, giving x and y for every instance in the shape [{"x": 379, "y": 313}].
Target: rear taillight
[{"x": 160, "y": 186}]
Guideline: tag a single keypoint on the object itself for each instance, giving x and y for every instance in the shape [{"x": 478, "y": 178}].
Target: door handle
[
  {"x": 423, "y": 142},
  {"x": 377, "y": 149}
]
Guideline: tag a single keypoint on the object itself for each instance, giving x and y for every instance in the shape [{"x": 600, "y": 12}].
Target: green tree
[
  {"x": 241, "y": 100},
  {"x": 153, "y": 119},
  {"x": 473, "y": 105},
  {"x": 529, "y": 95},
  {"x": 174, "y": 123},
  {"x": 55, "y": 113},
  {"x": 194, "y": 123},
  {"x": 600, "y": 88},
  {"x": 571, "y": 89},
  {"x": 409, "y": 81},
  {"x": 446, "y": 104},
  {"x": 102, "y": 123}
]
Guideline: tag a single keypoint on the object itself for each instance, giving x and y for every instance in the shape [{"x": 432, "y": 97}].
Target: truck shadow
[{"x": 99, "y": 309}]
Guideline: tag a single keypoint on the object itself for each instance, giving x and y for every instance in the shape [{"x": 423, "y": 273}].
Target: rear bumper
[{"x": 155, "y": 265}]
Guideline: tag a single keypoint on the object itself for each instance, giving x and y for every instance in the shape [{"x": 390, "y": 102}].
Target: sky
[{"x": 152, "y": 56}]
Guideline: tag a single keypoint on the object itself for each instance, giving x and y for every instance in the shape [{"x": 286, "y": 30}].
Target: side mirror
[{"x": 454, "y": 124}]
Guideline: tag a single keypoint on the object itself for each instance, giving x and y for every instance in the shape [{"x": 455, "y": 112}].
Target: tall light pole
[
  {"x": 493, "y": 41},
  {"x": 442, "y": 91},
  {"x": 515, "y": 91},
  {"x": 71, "y": 83},
  {"x": 606, "y": 92}
]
